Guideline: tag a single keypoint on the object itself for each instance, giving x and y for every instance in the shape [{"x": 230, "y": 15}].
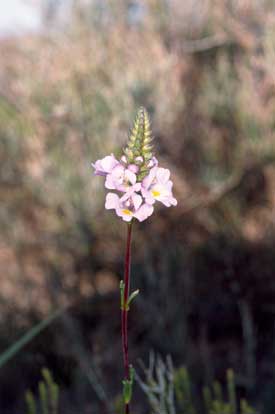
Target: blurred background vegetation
[{"x": 204, "y": 69}]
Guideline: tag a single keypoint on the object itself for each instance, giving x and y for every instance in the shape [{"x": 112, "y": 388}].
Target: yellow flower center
[
  {"x": 128, "y": 212},
  {"x": 155, "y": 193}
]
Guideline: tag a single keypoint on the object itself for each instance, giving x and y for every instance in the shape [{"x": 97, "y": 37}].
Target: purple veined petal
[
  {"x": 137, "y": 201},
  {"x": 144, "y": 212},
  {"x": 162, "y": 175},
  {"x": 112, "y": 201}
]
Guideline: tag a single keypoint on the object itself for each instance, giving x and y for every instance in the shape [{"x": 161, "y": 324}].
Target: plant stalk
[{"x": 125, "y": 308}]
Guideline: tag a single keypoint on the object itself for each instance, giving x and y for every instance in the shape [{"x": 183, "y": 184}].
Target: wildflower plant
[{"x": 136, "y": 182}]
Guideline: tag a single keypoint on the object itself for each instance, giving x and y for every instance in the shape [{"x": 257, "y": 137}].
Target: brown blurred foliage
[{"x": 205, "y": 72}]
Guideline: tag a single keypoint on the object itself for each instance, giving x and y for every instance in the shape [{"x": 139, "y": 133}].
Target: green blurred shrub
[
  {"x": 48, "y": 396},
  {"x": 171, "y": 391}
]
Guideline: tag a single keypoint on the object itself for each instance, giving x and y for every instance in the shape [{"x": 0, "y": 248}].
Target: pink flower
[
  {"x": 129, "y": 206},
  {"x": 105, "y": 165},
  {"x": 120, "y": 178},
  {"x": 157, "y": 186},
  {"x": 137, "y": 196},
  {"x": 131, "y": 199}
]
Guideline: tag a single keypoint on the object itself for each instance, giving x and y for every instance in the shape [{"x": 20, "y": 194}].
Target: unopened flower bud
[{"x": 134, "y": 168}]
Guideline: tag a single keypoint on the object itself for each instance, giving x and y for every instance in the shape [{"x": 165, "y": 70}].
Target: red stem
[{"x": 124, "y": 311}]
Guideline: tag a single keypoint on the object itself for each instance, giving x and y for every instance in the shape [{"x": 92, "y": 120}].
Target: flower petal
[
  {"x": 105, "y": 165},
  {"x": 108, "y": 163},
  {"x": 109, "y": 182},
  {"x": 112, "y": 201},
  {"x": 118, "y": 171},
  {"x": 124, "y": 213},
  {"x": 174, "y": 201},
  {"x": 162, "y": 175},
  {"x": 137, "y": 201},
  {"x": 147, "y": 181},
  {"x": 144, "y": 212},
  {"x": 131, "y": 177}
]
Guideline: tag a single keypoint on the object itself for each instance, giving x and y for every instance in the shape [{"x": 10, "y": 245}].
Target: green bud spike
[{"x": 140, "y": 142}]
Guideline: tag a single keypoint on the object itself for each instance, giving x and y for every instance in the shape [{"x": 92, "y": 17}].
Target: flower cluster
[{"x": 137, "y": 179}]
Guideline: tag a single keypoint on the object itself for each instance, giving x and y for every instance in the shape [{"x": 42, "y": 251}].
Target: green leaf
[
  {"x": 128, "y": 387},
  {"x": 132, "y": 297}
]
